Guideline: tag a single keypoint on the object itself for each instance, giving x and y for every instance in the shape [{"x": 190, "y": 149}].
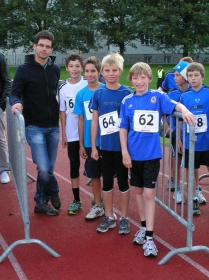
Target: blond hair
[
  {"x": 113, "y": 59},
  {"x": 196, "y": 66},
  {"x": 138, "y": 69}
]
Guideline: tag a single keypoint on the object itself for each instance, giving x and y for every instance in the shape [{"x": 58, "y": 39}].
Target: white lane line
[
  {"x": 160, "y": 240},
  {"x": 21, "y": 275}
]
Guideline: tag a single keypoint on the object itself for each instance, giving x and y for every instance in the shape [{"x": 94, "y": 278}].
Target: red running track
[{"x": 86, "y": 254}]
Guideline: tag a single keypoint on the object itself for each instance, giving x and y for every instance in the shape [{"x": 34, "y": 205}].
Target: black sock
[
  {"x": 143, "y": 224},
  {"x": 149, "y": 233},
  {"x": 76, "y": 194}
]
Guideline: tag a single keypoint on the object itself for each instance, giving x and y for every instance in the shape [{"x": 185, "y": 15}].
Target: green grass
[{"x": 123, "y": 78}]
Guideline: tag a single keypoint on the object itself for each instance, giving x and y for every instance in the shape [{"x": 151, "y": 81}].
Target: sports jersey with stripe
[
  {"x": 107, "y": 102},
  {"x": 198, "y": 103},
  {"x": 67, "y": 95},
  {"x": 140, "y": 116}
]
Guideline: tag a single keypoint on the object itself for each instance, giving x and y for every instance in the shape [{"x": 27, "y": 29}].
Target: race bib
[
  {"x": 109, "y": 123},
  {"x": 70, "y": 103},
  {"x": 146, "y": 121},
  {"x": 88, "y": 111},
  {"x": 200, "y": 123}
]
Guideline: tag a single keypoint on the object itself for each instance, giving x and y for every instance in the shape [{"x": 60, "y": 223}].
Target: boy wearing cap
[
  {"x": 197, "y": 101},
  {"x": 168, "y": 82},
  {"x": 182, "y": 86}
]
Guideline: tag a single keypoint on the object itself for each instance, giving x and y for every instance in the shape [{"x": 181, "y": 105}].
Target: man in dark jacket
[
  {"x": 34, "y": 91},
  {"x": 5, "y": 86}
]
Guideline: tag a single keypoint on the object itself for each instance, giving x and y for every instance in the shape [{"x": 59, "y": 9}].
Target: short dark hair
[
  {"x": 196, "y": 66},
  {"x": 92, "y": 60},
  {"x": 44, "y": 34},
  {"x": 73, "y": 57}
]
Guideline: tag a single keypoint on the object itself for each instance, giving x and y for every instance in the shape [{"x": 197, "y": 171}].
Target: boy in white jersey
[
  {"x": 69, "y": 122},
  {"x": 140, "y": 115},
  {"x": 92, "y": 170}
]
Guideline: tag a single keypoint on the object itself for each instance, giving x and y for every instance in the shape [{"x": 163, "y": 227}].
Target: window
[
  {"x": 147, "y": 59},
  {"x": 167, "y": 59}
]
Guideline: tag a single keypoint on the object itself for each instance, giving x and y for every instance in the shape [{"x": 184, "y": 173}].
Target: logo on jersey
[
  {"x": 153, "y": 99},
  {"x": 197, "y": 107},
  {"x": 130, "y": 106},
  {"x": 197, "y": 100}
]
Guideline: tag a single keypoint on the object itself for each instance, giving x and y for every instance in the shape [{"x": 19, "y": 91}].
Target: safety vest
[{"x": 160, "y": 73}]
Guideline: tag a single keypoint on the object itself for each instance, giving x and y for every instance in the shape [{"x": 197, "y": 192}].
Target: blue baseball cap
[{"x": 181, "y": 67}]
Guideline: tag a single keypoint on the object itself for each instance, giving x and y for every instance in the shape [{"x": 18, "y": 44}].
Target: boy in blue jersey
[
  {"x": 140, "y": 115},
  {"x": 106, "y": 108},
  {"x": 180, "y": 78},
  {"x": 92, "y": 170},
  {"x": 197, "y": 101}
]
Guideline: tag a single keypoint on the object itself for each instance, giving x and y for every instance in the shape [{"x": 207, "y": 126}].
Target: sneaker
[
  {"x": 93, "y": 202},
  {"x": 139, "y": 236},
  {"x": 45, "y": 209},
  {"x": 124, "y": 226},
  {"x": 200, "y": 196},
  {"x": 106, "y": 224},
  {"x": 196, "y": 208},
  {"x": 150, "y": 248},
  {"x": 4, "y": 177},
  {"x": 94, "y": 213},
  {"x": 75, "y": 206},
  {"x": 55, "y": 201},
  {"x": 171, "y": 184},
  {"x": 178, "y": 196}
]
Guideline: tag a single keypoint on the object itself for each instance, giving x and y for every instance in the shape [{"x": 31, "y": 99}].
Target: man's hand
[{"x": 17, "y": 106}]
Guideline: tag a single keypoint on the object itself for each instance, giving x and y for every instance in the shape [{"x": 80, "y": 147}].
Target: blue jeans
[{"x": 44, "y": 143}]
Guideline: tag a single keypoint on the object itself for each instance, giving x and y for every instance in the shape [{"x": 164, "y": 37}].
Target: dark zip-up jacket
[
  {"x": 36, "y": 88},
  {"x": 5, "y": 82}
]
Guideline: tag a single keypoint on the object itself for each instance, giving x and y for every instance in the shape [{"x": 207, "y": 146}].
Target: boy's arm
[
  {"x": 82, "y": 150},
  {"x": 63, "y": 125},
  {"x": 187, "y": 116},
  {"x": 94, "y": 130},
  {"x": 123, "y": 141}
]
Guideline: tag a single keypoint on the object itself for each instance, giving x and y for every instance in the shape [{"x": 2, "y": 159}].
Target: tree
[
  {"x": 178, "y": 26},
  {"x": 119, "y": 22},
  {"x": 71, "y": 23}
]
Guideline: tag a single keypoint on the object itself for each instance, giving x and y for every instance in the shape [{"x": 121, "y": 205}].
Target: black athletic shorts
[
  {"x": 201, "y": 158},
  {"x": 92, "y": 167},
  {"x": 145, "y": 173}
]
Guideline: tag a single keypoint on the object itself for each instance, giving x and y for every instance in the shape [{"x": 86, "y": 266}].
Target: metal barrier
[
  {"x": 165, "y": 199},
  {"x": 17, "y": 160}
]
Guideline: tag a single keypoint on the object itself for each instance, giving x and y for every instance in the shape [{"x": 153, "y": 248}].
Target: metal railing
[
  {"x": 164, "y": 197},
  {"x": 17, "y": 161}
]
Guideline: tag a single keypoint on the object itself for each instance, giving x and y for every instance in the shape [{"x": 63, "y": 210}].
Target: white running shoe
[
  {"x": 4, "y": 177},
  {"x": 140, "y": 236},
  {"x": 201, "y": 198},
  {"x": 94, "y": 213},
  {"x": 178, "y": 196},
  {"x": 150, "y": 248}
]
